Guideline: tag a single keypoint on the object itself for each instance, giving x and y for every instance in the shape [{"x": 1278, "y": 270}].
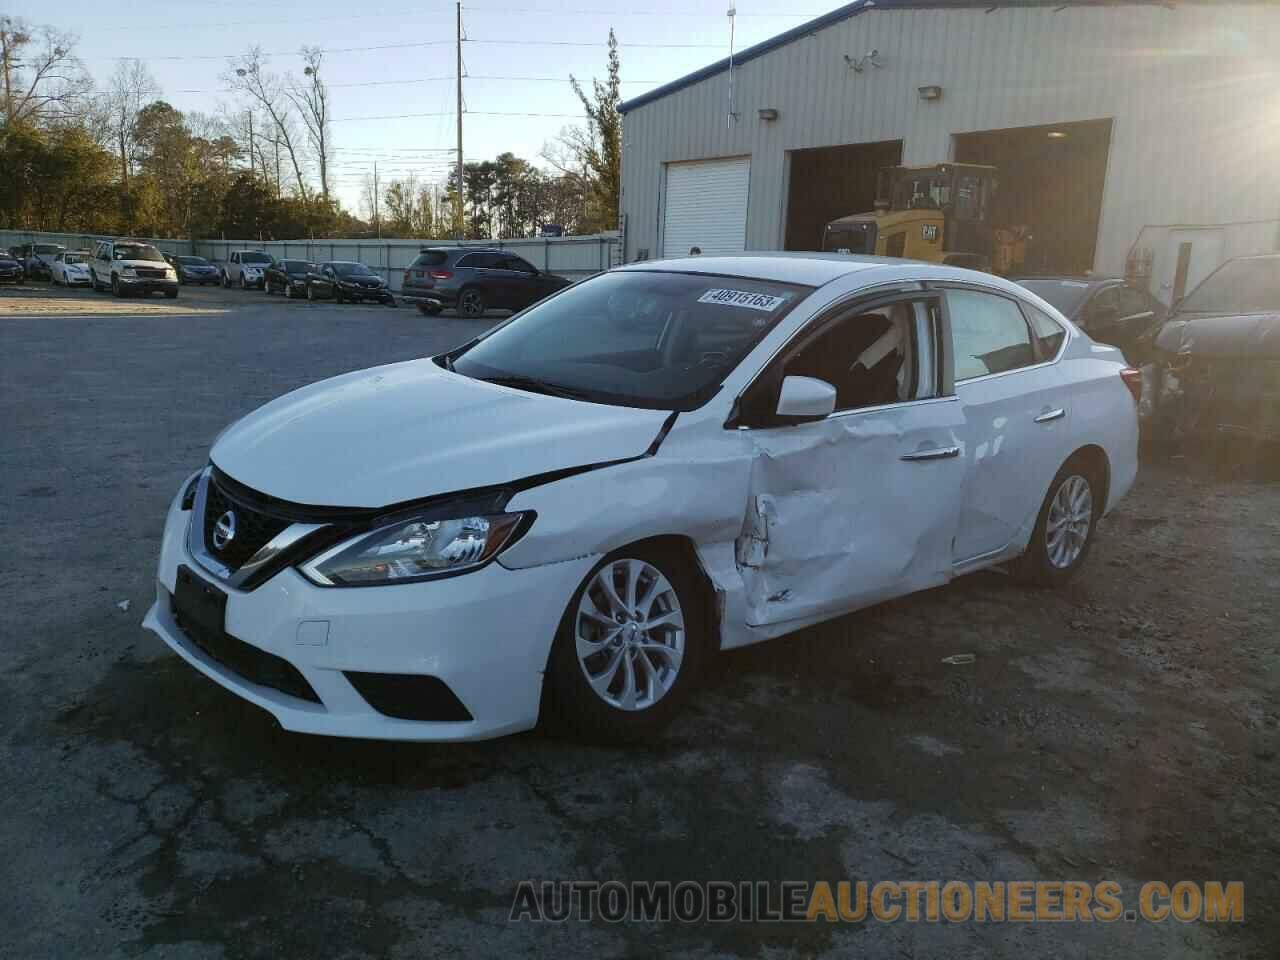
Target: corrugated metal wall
[{"x": 1194, "y": 93}]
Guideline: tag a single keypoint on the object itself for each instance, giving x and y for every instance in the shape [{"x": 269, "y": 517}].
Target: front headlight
[
  {"x": 414, "y": 549},
  {"x": 127, "y": 271}
]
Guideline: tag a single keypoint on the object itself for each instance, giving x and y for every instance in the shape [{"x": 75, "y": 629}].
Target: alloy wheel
[
  {"x": 471, "y": 303},
  {"x": 1069, "y": 522},
  {"x": 629, "y": 634}
]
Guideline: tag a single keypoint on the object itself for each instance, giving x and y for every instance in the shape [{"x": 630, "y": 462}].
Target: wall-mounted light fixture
[
  {"x": 768, "y": 114},
  {"x": 931, "y": 92},
  {"x": 1056, "y": 135}
]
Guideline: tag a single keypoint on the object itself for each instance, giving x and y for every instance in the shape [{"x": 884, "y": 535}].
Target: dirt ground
[{"x": 1125, "y": 728}]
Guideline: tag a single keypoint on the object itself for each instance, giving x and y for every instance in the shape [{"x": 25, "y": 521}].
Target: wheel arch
[{"x": 1097, "y": 460}]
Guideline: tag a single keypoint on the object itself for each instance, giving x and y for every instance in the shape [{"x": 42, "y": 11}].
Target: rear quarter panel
[{"x": 1102, "y": 411}]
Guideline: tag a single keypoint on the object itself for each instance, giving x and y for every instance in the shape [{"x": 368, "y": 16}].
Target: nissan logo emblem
[{"x": 224, "y": 531}]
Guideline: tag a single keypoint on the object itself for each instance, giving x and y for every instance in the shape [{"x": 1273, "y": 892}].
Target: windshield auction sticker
[{"x": 743, "y": 298}]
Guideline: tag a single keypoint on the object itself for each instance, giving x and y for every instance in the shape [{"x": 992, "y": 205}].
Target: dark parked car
[
  {"x": 195, "y": 270},
  {"x": 288, "y": 277},
  {"x": 1216, "y": 363},
  {"x": 11, "y": 269},
  {"x": 345, "y": 280},
  {"x": 474, "y": 280},
  {"x": 1109, "y": 310}
]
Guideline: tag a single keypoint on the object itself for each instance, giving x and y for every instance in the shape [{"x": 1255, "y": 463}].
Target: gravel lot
[{"x": 1124, "y": 729}]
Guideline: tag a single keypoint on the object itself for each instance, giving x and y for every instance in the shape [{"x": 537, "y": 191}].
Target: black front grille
[
  {"x": 246, "y": 660},
  {"x": 149, "y": 273},
  {"x": 253, "y": 528},
  {"x": 409, "y": 696}
]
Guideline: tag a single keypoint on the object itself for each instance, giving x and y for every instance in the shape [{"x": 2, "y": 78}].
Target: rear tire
[
  {"x": 429, "y": 310},
  {"x": 1065, "y": 528},
  {"x": 650, "y": 650}
]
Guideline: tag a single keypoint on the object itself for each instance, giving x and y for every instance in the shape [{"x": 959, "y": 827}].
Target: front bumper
[
  {"x": 380, "y": 294},
  {"x": 460, "y": 630},
  {"x": 147, "y": 284}
]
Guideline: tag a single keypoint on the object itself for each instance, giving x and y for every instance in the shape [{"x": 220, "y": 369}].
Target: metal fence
[
  {"x": 573, "y": 257},
  {"x": 81, "y": 241}
]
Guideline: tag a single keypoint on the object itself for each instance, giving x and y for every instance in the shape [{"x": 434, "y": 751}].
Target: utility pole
[
  {"x": 377, "y": 221},
  {"x": 460, "y": 216}
]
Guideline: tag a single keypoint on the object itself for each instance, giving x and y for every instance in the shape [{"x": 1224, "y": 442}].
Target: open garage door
[
  {"x": 706, "y": 207},
  {"x": 1050, "y": 182},
  {"x": 831, "y": 182}
]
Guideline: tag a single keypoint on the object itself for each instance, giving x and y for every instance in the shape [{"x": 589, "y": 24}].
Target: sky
[{"x": 533, "y": 42}]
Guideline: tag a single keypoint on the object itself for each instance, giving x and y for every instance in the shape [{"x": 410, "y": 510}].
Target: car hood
[
  {"x": 145, "y": 264},
  {"x": 1215, "y": 335},
  {"x": 411, "y": 430}
]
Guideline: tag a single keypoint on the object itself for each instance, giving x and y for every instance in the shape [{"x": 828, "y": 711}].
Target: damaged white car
[{"x": 568, "y": 515}]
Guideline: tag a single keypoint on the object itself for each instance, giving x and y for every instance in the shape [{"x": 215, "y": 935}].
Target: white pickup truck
[{"x": 246, "y": 269}]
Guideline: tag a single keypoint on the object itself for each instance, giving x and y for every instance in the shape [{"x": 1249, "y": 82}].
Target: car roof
[{"x": 810, "y": 269}]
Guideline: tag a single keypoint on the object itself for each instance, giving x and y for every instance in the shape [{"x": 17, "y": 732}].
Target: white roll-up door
[{"x": 706, "y": 207}]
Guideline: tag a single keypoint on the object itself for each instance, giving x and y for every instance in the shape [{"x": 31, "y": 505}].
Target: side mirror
[{"x": 805, "y": 398}]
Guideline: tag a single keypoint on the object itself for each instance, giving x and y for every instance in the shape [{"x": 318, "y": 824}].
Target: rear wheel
[
  {"x": 629, "y": 647},
  {"x": 1065, "y": 528},
  {"x": 428, "y": 309},
  {"x": 471, "y": 303}
]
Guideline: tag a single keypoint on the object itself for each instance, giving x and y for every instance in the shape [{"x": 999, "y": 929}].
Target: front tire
[
  {"x": 116, "y": 289},
  {"x": 471, "y": 303},
  {"x": 1065, "y": 528},
  {"x": 288, "y": 290},
  {"x": 629, "y": 647},
  {"x": 428, "y": 310}
]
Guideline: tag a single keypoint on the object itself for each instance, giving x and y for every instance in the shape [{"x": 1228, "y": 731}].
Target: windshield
[
  {"x": 136, "y": 251},
  {"x": 1238, "y": 286},
  {"x": 49, "y": 248},
  {"x": 294, "y": 266},
  {"x": 193, "y": 261},
  {"x": 73, "y": 258},
  {"x": 644, "y": 339},
  {"x": 1066, "y": 295},
  {"x": 252, "y": 257},
  {"x": 352, "y": 270}
]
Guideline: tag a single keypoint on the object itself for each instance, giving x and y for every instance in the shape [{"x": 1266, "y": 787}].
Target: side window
[
  {"x": 871, "y": 356},
  {"x": 1103, "y": 309},
  {"x": 518, "y": 265},
  {"x": 1047, "y": 332},
  {"x": 988, "y": 334}
]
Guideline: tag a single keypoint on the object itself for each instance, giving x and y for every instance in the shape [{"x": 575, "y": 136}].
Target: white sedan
[
  {"x": 70, "y": 269},
  {"x": 568, "y": 515}
]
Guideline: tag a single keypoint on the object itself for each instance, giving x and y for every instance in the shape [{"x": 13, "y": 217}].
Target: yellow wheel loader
[{"x": 936, "y": 213}]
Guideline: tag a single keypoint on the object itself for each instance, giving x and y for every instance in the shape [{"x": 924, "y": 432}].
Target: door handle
[
  {"x": 1049, "y": 415},
  {"x": 937, "y": 453}
]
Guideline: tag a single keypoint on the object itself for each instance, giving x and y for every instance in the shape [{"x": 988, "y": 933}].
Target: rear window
[{"x": 431, "y": 258}]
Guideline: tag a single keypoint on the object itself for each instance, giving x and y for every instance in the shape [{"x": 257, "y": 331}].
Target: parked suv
[
  {"x": 474, "y": 280},
  {"x": 246, "y": 268},
  {"x": 131, "y": 266}
]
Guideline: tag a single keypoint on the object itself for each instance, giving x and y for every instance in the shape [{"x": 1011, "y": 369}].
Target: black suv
[{"x": 473, "y": 280}]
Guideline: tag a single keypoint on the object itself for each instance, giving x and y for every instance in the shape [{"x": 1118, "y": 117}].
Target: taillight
[
  {"x": 441, "y": 274},
  {"x": 1132, "y": 378}
]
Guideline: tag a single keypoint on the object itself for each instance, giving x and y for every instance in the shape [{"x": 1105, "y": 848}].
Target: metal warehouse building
[{"x": 1127, "y": 135}]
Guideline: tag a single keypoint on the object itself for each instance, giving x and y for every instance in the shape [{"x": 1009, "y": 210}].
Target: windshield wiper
[{"x": 534, "y": 385}]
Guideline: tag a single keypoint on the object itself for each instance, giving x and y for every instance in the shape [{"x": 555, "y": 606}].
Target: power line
[
  {"x": 392, "y": 83},
  {"x": 450, "y": 113},
  {"x": 427, "y": 43}
]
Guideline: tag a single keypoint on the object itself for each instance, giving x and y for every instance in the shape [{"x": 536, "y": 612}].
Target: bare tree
[
  {"x": 131, "y": 88},
  {"x": 41, "y": 75},
  {"x": 311, "y": 99},
  {"x": 248, "y": 75}
]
